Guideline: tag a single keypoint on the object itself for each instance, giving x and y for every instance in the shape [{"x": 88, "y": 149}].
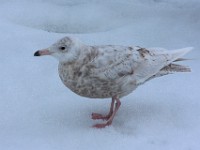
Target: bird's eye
[{"x": 62, "y": 48}]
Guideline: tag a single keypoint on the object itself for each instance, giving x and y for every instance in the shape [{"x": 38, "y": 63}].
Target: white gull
[{"x": 110, "y": 71}]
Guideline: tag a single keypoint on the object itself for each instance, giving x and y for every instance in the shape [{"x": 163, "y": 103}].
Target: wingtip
[
  {"x": 181, "y": 52},
  {"x": 188, "y": 49}
]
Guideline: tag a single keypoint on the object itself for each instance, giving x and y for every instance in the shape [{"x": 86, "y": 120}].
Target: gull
[{"x": 110, "y": 71}]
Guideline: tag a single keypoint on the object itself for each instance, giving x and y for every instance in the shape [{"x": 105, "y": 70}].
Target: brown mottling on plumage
[
  {"x": 79, "y": 73},
  {"x": 91, "y": 55},
  {"x": 143, "y": 52},
  {"x": 130, "y": 48},
  {"x": 110, "y": 62},
  {"x": 129, "y": 55},
  {"x": 132, "y": 72},
  {"x": 121, "y": 74},
  {"x": 94, "y": 53}
]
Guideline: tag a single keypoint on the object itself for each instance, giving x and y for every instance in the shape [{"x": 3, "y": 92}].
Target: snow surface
[{"x": 38, "y": 113}]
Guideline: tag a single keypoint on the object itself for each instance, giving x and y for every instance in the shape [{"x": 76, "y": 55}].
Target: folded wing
[{"x": 139, "y": 63}]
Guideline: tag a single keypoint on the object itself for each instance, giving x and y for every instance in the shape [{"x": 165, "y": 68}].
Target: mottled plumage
[{"x": 110, "y": 71}]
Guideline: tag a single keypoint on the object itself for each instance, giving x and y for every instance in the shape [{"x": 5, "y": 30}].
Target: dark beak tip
[{"x": 37, "y": 53}]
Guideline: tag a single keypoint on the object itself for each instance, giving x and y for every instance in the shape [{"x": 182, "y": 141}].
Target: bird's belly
[
  {"x": 93, "y": 87},
  {"x": 90, "y": 88}
]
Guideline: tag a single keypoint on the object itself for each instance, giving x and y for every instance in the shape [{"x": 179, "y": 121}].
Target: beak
[{"x": 42, "y": 52}]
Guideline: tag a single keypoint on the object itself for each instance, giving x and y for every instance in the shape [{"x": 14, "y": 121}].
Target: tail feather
[
  {"x": 176, "y": 55},
  {"x": 175, "y": 68},
  {"x": 181, "y": 59},
  {"x": 171, "y": 67}
]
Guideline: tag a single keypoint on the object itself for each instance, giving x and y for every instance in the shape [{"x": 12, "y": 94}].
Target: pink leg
[
  {"x": 109, "y": 122},
  {"x": 100, "y": 116}
]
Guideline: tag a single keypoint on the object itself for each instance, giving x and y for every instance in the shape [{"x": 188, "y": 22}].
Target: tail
[
  {"x": 175, "y": 68},
  {"x": 176, "y": 56},
  {"x": 171, "y": 67}
]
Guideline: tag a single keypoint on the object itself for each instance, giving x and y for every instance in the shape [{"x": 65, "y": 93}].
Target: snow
[{"x": 38, "y": 112}]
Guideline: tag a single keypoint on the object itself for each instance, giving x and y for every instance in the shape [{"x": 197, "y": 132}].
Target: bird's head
[{"x": 66, "y": 49}]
